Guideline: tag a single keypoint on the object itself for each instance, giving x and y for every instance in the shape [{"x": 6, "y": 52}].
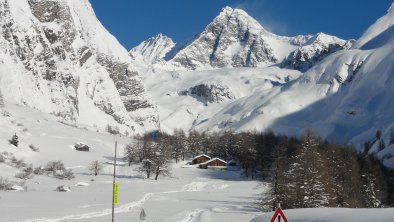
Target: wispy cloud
[{"x": 265, "y": 12}]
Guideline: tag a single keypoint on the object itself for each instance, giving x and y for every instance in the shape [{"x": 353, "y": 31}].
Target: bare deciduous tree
[{"x": 95, "y": 167}]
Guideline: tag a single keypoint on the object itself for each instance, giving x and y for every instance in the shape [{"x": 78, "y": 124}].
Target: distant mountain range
[{"x": 235, "y": 39}]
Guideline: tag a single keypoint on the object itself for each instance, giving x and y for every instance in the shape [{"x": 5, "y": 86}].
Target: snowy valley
[{"x": 235, "y": 91}]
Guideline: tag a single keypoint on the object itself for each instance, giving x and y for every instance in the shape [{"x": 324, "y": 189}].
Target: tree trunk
[
  {"x": 157, "y": 170},
  {"x": 148, "y": 174}
]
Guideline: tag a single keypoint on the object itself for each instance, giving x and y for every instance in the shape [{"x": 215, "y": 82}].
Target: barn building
[
  {"x": 200, "y": 159},
  {"x": 214, "y": 163}
]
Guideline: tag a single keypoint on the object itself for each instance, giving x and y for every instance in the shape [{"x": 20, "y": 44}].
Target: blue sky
[{"x": 133, "y": 21}]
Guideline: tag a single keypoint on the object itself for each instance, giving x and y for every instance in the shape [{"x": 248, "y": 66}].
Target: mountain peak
[
  {"x": 314, "y": 50},
  {"x": 227, "y": 10},
  {"x": 161, "y": 36},
  {"x": 154, "y": 49},
  {"x": 325, "y": 39},
  {"x": 232, "y": 39},
  {"x": 238, "y": 17}
]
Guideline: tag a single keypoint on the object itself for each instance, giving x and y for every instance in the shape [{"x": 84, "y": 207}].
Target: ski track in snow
[
  {"x": 194, "y": 186},
  {"x": 190, "y": 216},
  {"x": 121, "y": 209},
  {"x": 91, "y": 205}
]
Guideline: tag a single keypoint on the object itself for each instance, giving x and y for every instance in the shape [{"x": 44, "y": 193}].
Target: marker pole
[{"x": 113, "y": 185}]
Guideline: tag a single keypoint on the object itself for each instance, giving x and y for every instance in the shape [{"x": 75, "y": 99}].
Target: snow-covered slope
[
  {"x": 359, "y": 85},
  {"x": 188, "y": 193},
  {"x": 233, "y": 39},
  {"x": 383, "y": 27},
  {"x": 313, "y": 51},
  {"x": 153, "y": 49},
  {"x": 346, "y": 97},
  {"x": 191, "y": 99},
  {"x": 56, "y": 56}
]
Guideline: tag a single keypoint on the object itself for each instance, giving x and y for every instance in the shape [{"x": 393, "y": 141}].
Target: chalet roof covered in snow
[
  {"x": 202, "y": 155},
  {"x": 213, "y": 159}
]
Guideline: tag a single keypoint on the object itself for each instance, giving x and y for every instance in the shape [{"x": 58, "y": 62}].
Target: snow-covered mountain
[
  {"x": 56, "y": 56},
  {"x": 314, "y": 50},
  {"x": 235, "y": 39},
  {"x": 153, "y": 49},
  {"x": 345, "y": 97},
  {"x": 232, "y": 39}
]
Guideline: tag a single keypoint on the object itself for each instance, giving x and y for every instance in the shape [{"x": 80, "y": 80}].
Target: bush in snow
[
  {"x": 64, "y": 174},
  {"x": 14, "y": 140},
  {"x": 34, "y": 148},
  {"x": 11, "y": 160},
  {"x": 57, "y": 169},
  {"x": 112, "y": 129},
  {"x": 39, "y": 170},
  {"x": 26, "y": 173},
  {"x": 53, "y": 166},
  {"x": 18, "y": 163},
  {"x": 5, "y": 184}
]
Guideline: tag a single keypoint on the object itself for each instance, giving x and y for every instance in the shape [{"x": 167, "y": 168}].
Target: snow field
[{"x": 190, "y": 194}]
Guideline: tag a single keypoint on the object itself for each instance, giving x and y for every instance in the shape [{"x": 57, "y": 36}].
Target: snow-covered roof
[
  {"x": 201, "y": 155},
  {"x": 211, "y": 160}
]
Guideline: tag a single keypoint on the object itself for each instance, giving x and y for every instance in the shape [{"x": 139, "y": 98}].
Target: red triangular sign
[{"x": 277, "y": 213}]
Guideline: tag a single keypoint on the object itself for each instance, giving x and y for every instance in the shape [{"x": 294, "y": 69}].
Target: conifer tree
[
  {"x": 373, "y": 182},
  {"x": 307, "y": 174}
]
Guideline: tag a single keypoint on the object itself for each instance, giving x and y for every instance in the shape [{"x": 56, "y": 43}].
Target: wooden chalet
[
  {"x": 200, "y": 159},
  {"x": 214, "y": 163}
]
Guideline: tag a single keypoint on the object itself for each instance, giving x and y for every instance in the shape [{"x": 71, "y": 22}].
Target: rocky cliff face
[
  {"x": 313, "y": 51},
  {"x": 232, "y": 39},
  {"x": 57, "y": 57},
  {"x": 209, "y": 93}
]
